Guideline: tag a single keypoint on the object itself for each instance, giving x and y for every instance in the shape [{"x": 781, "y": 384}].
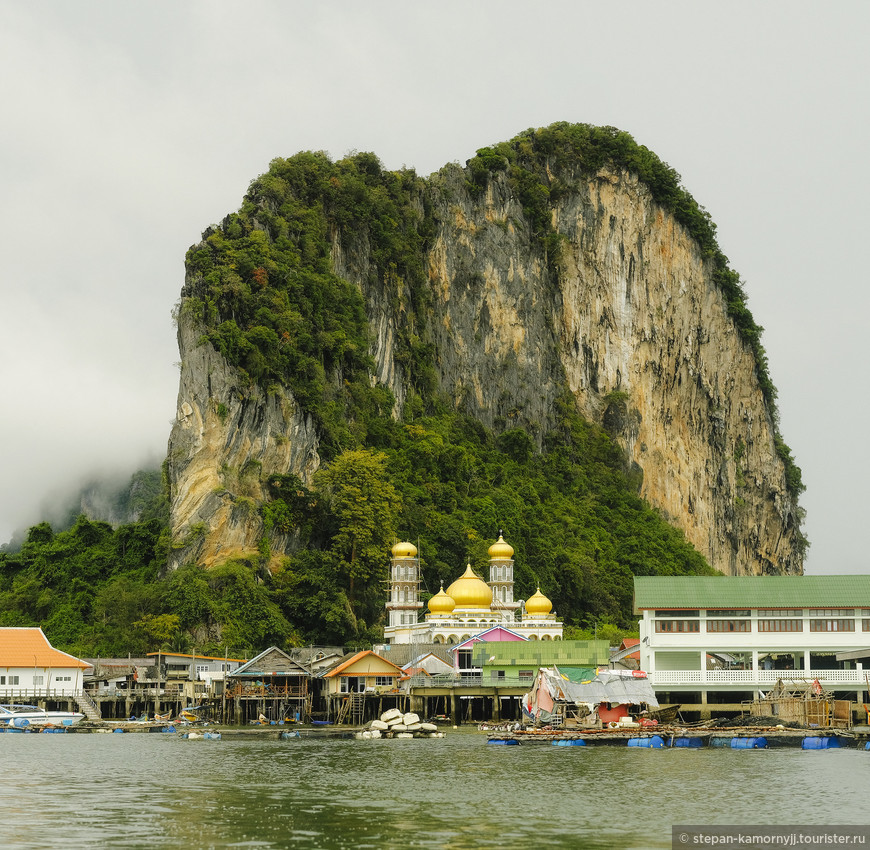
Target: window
[
  {"x": 780, "y": 625},
  {"x": 677, "y": 626},
  {"x": 12, "y": 680},
  {"x": 496, "y": 674},
  {"x": 832, "y": 612},
  {"x": 383, "y": 681},
  {"x": 676, "y": 613},
  {"x": 728, "y": 625},
  {"x": 781, "y": 612},
  {"x": 527, "y": 675},
  {"x": 38, "y": 681},
  {"x": 56, "y": 679},
  {"x": 865, "y": 625},
  {"x": 729, "y": 612},
  {"x": 202, "y": 668},
  {"x": 832, "y": 625}
]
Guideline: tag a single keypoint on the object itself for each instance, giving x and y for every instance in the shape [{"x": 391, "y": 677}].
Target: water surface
[{"x": 155, "y": 791}]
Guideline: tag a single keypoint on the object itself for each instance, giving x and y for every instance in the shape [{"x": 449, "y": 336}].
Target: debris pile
[{"x": 395, "y": 724}]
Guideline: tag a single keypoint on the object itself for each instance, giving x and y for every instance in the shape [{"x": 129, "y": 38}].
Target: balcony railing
[
  {"x": 456, "y": 681},
  {"x": 266, "y": 691},
  {"x": 761, "y": 678},
  {"x": 23, "y": 695}
]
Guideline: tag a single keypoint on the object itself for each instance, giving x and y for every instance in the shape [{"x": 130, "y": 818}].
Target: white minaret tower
[
  {"x": 501, "y": 575},
  {"x": 404, "y": 600}
]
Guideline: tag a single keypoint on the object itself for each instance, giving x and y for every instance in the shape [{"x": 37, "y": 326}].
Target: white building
[
  {"x": 468, "y": 606},
  {"x": 717, "y": 641},
  {"x": 31, "y": 668}
]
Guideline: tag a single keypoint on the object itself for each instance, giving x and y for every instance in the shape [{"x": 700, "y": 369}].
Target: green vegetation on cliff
[
  {"x": 531, "y": 157},
  {"x": 579, "y": 532},
  {"x": 265, "y": 294}
]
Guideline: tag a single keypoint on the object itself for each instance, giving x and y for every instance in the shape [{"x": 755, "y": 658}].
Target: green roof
[
  {"x": 751, "y": 592},
  {"x": 541, "y": 653}
]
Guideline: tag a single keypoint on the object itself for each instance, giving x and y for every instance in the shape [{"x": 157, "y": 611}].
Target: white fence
[{"x": 759, "y": 678}]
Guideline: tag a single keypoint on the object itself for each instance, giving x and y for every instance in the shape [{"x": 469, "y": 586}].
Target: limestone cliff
[{"x": 619, "y": 304}]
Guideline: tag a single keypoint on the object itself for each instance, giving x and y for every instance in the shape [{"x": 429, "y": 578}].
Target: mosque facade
[{"x": 469, "y": 605}]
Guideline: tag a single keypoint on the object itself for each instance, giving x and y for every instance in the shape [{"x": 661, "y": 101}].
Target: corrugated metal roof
[
  {"x": 851, "y": 591},
  {"x": 577, "y": 653}
]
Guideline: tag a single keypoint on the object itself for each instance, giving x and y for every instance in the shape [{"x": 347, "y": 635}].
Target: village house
[
  {"x": 272, "y": 685},
  {"x": 714, "y": 643},
  {"x": 362, "y": 684},
  {"x": 31, "y": 668}
]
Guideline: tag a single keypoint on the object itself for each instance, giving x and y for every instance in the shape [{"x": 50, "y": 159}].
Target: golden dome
[
  {"x": 469, "y": 591},
  {"x": 501, "y": 551},
  {"x": 404, "y": 550},
  {"x": 537, "y": 603},
  {"x": 441, "y": 603}
]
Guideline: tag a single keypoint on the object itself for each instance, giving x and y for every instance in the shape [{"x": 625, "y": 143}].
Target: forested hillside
[
  {"x": 396, "y": 457},
  {"x": 570, "y": 512}
]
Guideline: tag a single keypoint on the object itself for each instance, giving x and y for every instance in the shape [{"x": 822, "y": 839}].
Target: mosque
[{"x": 468, "y": 606}]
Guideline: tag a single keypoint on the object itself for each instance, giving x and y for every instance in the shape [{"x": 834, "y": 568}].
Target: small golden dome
[
  {"x": 469, "y": 591},
  {"x": 537, "y": 603},
  {"x": 404, "y": 550},
  {"x": 501, "y": 551},
  {"x": 441, "y": 603}
]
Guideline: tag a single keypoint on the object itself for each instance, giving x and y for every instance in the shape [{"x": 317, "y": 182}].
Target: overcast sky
[{"x": 128, "y": 128}]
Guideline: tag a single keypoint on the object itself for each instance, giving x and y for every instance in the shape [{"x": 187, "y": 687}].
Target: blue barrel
[
  {"x": 831, "y": 743},
  {"x": 689, "y": 743},
  {"x": 506, "y": 743},
  {"x": 574, "y": 743},
  {"x": 654, "y": 743},
  {"x": 54, "y": 731},
  {"x": 758, "y": 743},
  {"x": 117, "y": 730},
  {"x": 867, "y": 746},
  {"x": 722, "y": 743}
]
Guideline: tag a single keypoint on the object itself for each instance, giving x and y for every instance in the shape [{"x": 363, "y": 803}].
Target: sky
[{"x": 128, "y": 128}]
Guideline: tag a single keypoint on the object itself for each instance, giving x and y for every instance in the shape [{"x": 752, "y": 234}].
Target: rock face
[
  {"x": 225, "y": 442},
  {"x": 626, "y": 317}
]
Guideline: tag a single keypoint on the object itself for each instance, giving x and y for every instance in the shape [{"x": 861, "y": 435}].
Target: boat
[
  {"x": 665, "y": 714},
  {"x": 33, "y": 715}
]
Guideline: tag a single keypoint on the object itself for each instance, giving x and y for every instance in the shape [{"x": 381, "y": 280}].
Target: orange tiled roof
[
  {"x": 29, "y": 647},
  {"x": 353, "y": 659}
]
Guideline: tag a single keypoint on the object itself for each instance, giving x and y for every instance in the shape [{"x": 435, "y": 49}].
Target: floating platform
[{"x": 742, "y": 738}]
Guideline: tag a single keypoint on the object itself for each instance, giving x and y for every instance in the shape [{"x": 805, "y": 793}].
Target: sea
[{"x": 457, "y": 792}]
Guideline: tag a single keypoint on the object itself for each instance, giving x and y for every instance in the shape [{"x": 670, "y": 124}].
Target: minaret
[
  {"x": 404, "y": 599},
  {"x": 501, "y": 575}
]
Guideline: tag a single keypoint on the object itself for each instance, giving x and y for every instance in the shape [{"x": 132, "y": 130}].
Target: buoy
[
  {"x": 824, "y": 743},
  {"x": 688, "y": 743},
  {"x": 757, "y": 743},
  {"x": 655, "y": 742}
]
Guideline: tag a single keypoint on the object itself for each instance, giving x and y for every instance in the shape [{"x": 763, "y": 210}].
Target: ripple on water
[{"x": 456, "y": 792}]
